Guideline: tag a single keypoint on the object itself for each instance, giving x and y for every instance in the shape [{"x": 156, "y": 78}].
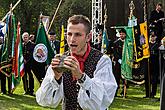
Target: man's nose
[{"x": 72, "y": 38}]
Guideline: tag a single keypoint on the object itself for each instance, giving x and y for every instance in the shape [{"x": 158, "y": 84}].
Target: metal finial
[
  {"x": 132, "y": 8},
  {"x": 11, "y": 6},
  {"x": 145, "y": 11},
  {"x": 105, "y": 15},
  {"x": 41, "y": 15}
]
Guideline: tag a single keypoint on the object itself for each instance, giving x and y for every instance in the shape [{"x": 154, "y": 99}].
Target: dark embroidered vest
[{"x": 71, "y": 89}]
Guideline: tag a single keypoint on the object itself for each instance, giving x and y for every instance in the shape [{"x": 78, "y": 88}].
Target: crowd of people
[
  {"x": 30, "y": 65},
  {"x": 90, "y": 79}
]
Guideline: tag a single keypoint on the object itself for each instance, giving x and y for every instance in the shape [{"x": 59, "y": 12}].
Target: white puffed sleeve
[{"x": 50, "y": 93}]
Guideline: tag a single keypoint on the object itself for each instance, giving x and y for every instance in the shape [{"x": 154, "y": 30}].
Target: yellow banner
[
  {"x": 145, "y": 46},
  {"x": 62, "y": 42}
]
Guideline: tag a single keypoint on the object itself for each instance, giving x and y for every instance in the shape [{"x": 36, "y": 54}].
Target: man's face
[
  {"x": 77, "y": 38},
  {"x": 32, "y": 37},
  {"x": 153, "y": 38},
  {"x": 122, "y": 35},
  {"x": 26, "y": 38},
  {"x": 52, "y": 37},
  {"x": 164, "y": 42},
  {"x": 158, "y": 7}
]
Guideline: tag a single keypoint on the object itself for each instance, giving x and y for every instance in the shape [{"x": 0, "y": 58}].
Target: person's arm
[
  {"x": 152, "y": 17},
  {"x": 98, "y": 93},
  {"x": 51, "y": 91}
]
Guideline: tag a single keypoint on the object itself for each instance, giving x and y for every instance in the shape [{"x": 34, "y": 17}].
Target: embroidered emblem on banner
[{"x": 40, "y": 53}]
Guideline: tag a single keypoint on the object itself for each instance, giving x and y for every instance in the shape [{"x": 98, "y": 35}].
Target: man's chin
[{"x": 73, "y": 51}]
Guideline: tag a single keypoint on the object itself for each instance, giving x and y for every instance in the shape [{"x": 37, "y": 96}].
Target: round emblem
[{"x": 40, "y": 53}]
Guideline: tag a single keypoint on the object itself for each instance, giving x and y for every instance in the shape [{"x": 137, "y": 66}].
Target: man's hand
[
  {"x": 25, "y": 61},
  {"x": 55, "y": 62},
  {"x": 72, "y": 64}
]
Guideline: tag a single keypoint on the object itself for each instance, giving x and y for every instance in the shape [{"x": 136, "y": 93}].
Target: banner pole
[
  {"x": 54, "y": 16},
  {"x": 11, "y": 9},
  {"x": 148, "y": 61}
]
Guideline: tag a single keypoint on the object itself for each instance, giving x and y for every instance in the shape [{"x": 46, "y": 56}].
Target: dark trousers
[
  {"x": 162, "y": 79},
  {"x": 162, "y": 99},
  {"x": 28, "y": 80},
  {"x": 117, "y": 74},
  {"x": 3, "y": 83},
  {"x": 146, "y": 77},
  {"x": 154, "y": 70}
]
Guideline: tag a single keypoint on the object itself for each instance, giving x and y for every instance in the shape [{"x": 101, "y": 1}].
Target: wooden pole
[
  {"x": 132, "y": 7},
  {"x": 54, "y": 16},
  {"x": 11, "y": 9},
  {"x": 105, "y": 20},
  {"x": 148, "y": 60}
]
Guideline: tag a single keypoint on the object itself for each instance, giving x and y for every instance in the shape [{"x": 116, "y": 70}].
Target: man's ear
[{"x": 89, "y": 36}]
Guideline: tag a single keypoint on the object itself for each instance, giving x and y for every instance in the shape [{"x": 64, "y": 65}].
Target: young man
[
  {"x": 117, "y": 49},
  {"x": 156, "y": 18},
  {"x": 89, "y": 83},
  {"x": 154, "y": 63}
]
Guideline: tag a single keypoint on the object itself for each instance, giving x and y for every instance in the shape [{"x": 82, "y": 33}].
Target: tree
[
  {"x": 28, "y": 11},
  {"x": 71, "y": 7}
]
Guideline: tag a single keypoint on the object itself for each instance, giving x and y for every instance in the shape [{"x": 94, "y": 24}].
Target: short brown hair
[
  {"x": 76, "y": 19},
  {"x": 159, "y": 4}
]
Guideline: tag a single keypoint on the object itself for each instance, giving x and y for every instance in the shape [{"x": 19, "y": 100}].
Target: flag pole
[
  {"x": 10, "y": 57},
  {"x": 105, "y": 20},
  {"x": 11, "y": 9},
  {"x": 148, "y": 60},
  {"x": 131, "y": 7},
  {"x": 54, "y": 16}
]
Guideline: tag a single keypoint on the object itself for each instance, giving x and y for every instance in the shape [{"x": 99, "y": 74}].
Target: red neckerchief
[{"x": 82, "y": 59}]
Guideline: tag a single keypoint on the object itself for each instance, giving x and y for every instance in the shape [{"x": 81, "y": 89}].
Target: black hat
[
  {"x": 122, "y": 30},
  {"x": 52, "y": 33}
]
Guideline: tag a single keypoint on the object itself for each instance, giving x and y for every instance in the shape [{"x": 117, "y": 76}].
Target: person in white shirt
[
  {"x": 162, "y": 47},
  {"x": 88, "y": 83}
]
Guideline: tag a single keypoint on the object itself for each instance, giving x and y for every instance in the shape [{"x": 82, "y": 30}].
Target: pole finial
[
  {"x": 105, "y": 14},
  {"x": 132, "y": 8}
]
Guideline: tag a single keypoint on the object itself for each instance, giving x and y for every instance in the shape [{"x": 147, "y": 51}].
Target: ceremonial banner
[
  {"x": 13, "y": 35},
  {"x": 105, "y": 42},
  {"x": 127, "y": 55},
  {"x": 45, "y": 21},
  {"x": 141, "y": 46},
  {"x": 143, "y": 30},
  {"x": 18, "y": 61},
  {"x": 138, "y": 72},
  {"x": 42, "y": 51},
  {"x": 132, "y": 21},
  {"x": 62, "y": 42},
  {"x": 6, "y": 57}
]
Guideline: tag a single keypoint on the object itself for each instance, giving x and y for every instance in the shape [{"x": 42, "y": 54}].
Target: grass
[{"x": 134, "y": 101}]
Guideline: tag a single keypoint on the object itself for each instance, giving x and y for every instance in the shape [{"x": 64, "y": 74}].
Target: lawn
[{"x": 134, "y": 101}]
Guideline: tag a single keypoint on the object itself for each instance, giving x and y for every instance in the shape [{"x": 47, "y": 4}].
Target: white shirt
[
  {"x": 53, "y": 46},
  {"x": 102, "y": 88},
  {"x": 162, "y": 47}
]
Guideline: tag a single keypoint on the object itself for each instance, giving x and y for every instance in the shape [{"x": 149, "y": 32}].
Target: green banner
[{"x": 127, "y": 55}]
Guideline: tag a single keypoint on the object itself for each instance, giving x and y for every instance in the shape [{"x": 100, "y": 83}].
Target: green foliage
[
  {"x": 28, "y": 11},
  {"x": 71, "y": 7}
]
